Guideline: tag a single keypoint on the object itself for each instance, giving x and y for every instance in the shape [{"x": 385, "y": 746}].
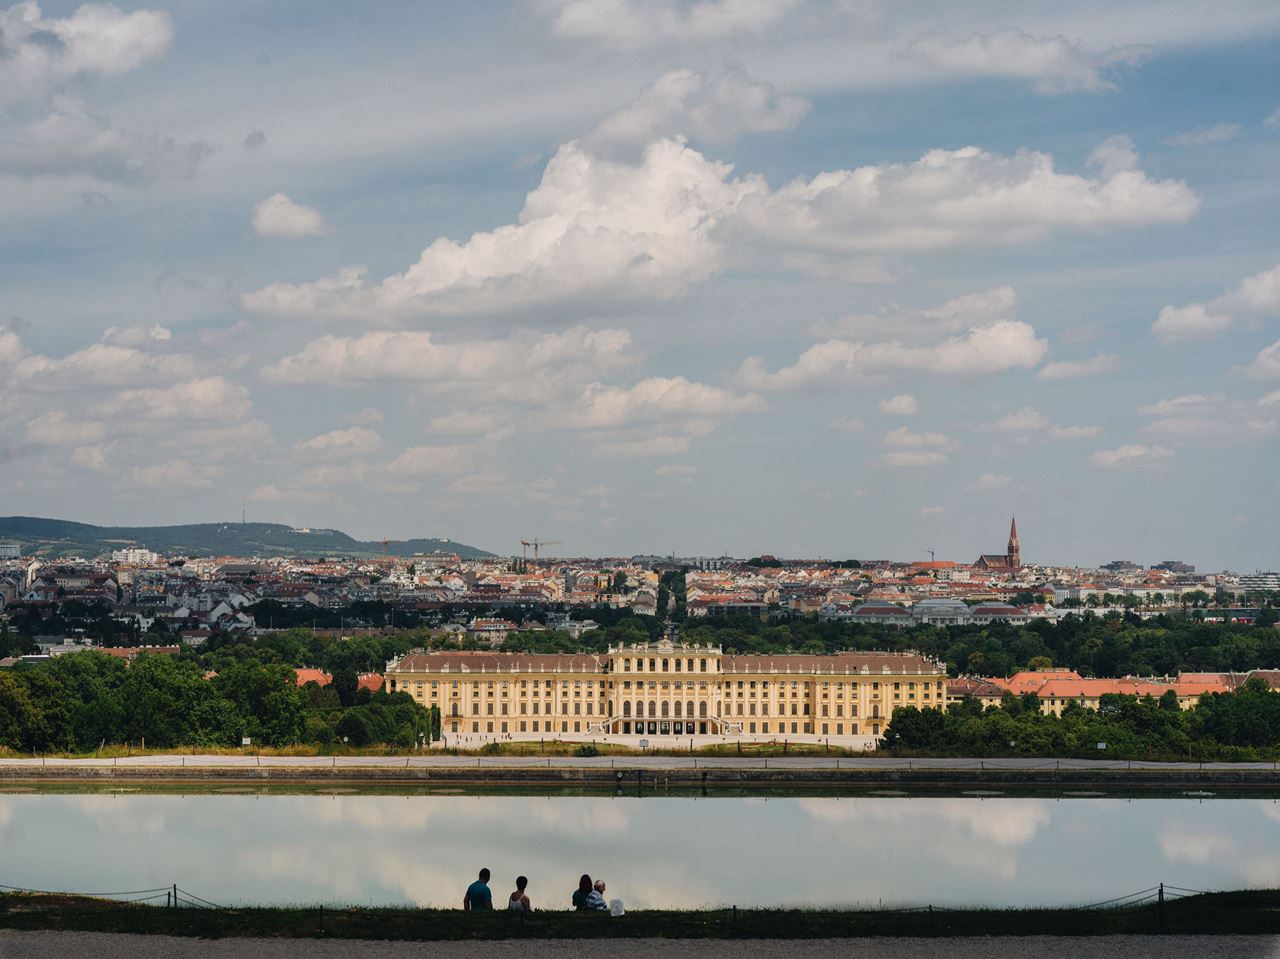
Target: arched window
[
  {"x": 653, "y": 709},
  {"x": 679, "y": 710},
  {"x": 688, "y": 709},
  {"x": 666, "y": 709},
  {"x": 454, "y": 712},
  {"x": 702, "y": 709},
  {"x": 626, "y": 709}
]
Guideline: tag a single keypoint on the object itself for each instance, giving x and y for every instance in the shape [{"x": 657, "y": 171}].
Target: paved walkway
[
  {"x": 42, "y": 945},
  {"x": 439, "y": 761}
]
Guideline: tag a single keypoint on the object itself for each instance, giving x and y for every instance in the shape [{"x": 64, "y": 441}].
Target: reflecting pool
[{"x": 653, "y": 851}]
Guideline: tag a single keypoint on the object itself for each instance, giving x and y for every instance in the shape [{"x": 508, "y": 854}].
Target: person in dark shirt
[
  {"x": 582, "y": 892},
  {"x": 478, "y": 895}
]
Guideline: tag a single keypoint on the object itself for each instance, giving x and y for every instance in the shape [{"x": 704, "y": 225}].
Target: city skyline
[{"x": 799, "y": 276}]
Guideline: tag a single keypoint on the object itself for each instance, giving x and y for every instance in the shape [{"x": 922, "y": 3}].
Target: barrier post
[{"x": 1161, "y": 909}]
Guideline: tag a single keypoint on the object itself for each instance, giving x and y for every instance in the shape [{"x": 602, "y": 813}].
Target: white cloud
[
  {"x": 465, "y": 422},
  {"x": 1114, "y": 155},
  {"x": 1203, "y": 136},
  {"x": 1026, "y": 420},
  {"x": 417, "y": 356},
  {"x": 903, "y": 438},
  {"x": 433, "y": 460},
  {"x": 1192, "y": 322},
  {"x": 1076, "y": 369},
  {"x": 1074, "y": 432},
  {"x": 676, "y": 470},
  {"x": 1054, "y": 63},
  {"x": 1266, "y": 365},
  {"x": 991, "y": 481},
  {"x": 1132, "y": 456},
  {"x": 1191, "y": 402},
  {"x": 592, "y": 227},
  {"x": 71, "y": 141},
  {"x": 102, "y": 364},
  {"x": 954, "y": 316},
  {"x": 1003, "y": 345},
  {"x": 137, "y": 336},
  {"x": 646, "y": 447},
  {"x": 39, "y": 54},
  {"x": 932, "y": 510},
  {"x": 685, "y": 102},
  {"x": 177, "y": 474},
  {"x": 364, "y": 417},
  {"x": 633, "y": 24},
  {"x": 93, "y": 458},
  {"x": 1273, "y": 118},
  {"x": 963, "y": 198},
  {"x": 849, "y": 424},
  {"x": 1257, "y": 295},
  {"x": 355, "y": 441},
  {"x": 653, "y": 400},
  {"x": 914, "y": 458},
  {"x": 280, "y": 217},
  {"x": 1211, "y": 419},
  {"x": 209, "y": 398},
  {"x": 55, "y": 428},
  {"x": 603, "y": 229},
  {"x": 904, "y": 404}
]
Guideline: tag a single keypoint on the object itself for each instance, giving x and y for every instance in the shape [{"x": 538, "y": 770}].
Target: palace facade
[{"x": 667, "y": 688}]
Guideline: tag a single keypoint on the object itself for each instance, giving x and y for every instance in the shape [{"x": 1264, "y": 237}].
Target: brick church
[{"x": 1010, "y": 561}]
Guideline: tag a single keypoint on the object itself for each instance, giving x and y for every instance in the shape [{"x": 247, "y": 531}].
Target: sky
[{"x": 817, "y": 278}]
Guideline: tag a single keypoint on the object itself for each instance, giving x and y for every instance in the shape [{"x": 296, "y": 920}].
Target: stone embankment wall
[{"x": 630, "y": 778}]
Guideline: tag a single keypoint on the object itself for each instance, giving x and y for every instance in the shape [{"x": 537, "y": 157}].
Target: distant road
[{"x": 442, "y": 761}]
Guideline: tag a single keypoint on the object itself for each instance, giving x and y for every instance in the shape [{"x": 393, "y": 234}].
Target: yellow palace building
[{"x": 667, "y": 688}]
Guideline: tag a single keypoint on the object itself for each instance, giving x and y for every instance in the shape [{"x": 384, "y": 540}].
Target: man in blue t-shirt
[{"x": 478, "y": 895}]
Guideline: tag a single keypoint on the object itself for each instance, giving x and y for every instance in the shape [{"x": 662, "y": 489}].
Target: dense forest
[{"x": 1239, "y": 726}]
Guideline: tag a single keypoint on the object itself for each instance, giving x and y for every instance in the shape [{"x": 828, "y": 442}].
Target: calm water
[{"x": 653, "y": 851}]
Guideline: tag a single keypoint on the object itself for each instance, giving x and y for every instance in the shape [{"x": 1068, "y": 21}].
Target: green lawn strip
[{"x": 1247, "y": 912}]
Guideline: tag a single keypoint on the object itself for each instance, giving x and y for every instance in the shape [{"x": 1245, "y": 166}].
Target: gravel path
[{"x": 42, "y": 945}]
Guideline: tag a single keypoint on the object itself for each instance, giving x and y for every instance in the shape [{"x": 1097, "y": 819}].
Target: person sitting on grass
[
  {"x": 478, "y": 896},
  {"x": 595, "y": 899},
  {"x": 581, "y": 893},
  {"x": 518, "y": 901}
]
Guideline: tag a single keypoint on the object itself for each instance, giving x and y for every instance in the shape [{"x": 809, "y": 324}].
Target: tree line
[
  {"x": 1238, "y": 726},
  {"x": 82, "y": 701}
]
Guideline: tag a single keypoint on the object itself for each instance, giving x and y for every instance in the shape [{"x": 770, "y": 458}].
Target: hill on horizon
[{"x": 53, "y": 538}]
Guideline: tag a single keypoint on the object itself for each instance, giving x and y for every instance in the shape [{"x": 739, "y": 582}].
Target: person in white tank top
[{"x": 518, "y": 901}]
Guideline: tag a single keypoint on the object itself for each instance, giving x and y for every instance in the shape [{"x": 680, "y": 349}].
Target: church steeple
[{"x": 1015, "y": 558}]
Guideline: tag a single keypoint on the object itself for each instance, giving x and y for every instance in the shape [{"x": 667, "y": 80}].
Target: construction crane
[
  {"x": 537, "y": 545},
  {"x": 931, "y": 555}
]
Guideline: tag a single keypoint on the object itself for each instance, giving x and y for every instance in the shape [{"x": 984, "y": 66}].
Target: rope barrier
[
  {"x": 104, "y": 895},
  {"x": 204, "y": 902}
]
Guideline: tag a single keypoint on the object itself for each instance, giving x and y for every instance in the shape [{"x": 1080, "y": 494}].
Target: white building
[{"x": 135, "y": 556}]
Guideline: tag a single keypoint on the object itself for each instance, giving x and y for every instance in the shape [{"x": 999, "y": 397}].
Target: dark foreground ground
[
  {"x": 42, "y": 945},
  {"x": 1250, "y": 913}
]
